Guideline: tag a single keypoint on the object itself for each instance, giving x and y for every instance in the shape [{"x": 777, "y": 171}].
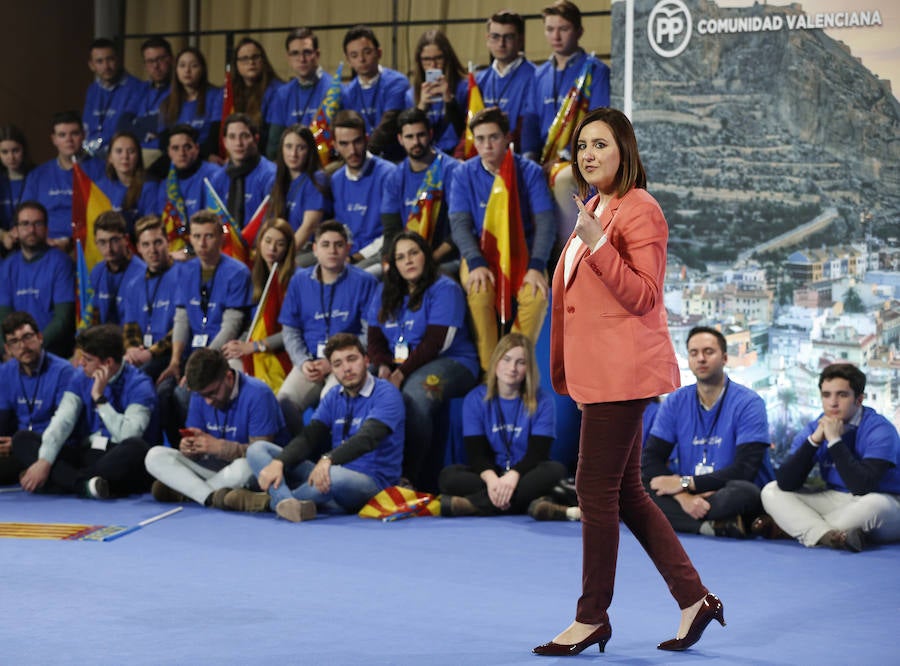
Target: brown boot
[{"x": 241, "y": 499}]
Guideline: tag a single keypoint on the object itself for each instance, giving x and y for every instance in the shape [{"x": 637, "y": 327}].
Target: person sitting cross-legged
[{"x": 356, "y": 436}]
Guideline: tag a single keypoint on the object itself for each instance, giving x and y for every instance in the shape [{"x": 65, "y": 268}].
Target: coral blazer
[{"x": 609, "y": 340}]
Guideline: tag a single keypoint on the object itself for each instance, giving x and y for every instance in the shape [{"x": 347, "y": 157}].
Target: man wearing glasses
[
  {"x": 508, "y": 82},
  {"x": 298, "y": 100},
  {"x": 34, "y": 381},
  {"x": 115, "y": 404},
  {"x": 228, "y": 411},
  {"x": 40, "y": 280},
  {"x": 157, "y": 54},
  {"x": 117, "y": 269}
]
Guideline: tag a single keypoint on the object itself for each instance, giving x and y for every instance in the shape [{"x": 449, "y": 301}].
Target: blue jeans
[
  {"x": 424, "y": 404},
  {"x": 349, "y": 490}
]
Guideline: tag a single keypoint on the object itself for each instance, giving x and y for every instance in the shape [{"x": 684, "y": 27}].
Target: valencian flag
[
  {"x": 234, "y": 246},
  {"x": 395, "y": 502},
  {"x": 174, "y": 215},
  {"x": 270, "y": 367},
  {"x": 503, "y": 236},
  {"x": 474, "y": 104},
  {"x": 88, "y": 201},
  {"x": 227, "y": 110},
  {"x": 423, "y": 218},
  {"x": 321, "y": 126},
  {"x": 249, "y": 232},
  {"x": 569, "y": 114}
]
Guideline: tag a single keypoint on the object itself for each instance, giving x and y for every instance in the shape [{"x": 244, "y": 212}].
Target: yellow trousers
[{"x": 532, "y": 309}]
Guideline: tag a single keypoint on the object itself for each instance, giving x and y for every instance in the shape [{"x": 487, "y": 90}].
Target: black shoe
[
  {"x": 711, "y": 609},
  {"x": 544, "y": 508},
  {"x": 564, "y": 492},
  {"x": 733, "y": 528},
  {"x": 852, "y": 540}
]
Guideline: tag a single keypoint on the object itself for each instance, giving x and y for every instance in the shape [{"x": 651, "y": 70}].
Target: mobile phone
[
  {"x": 432, "y": 75},
  {"x": 185, "y": 432}
]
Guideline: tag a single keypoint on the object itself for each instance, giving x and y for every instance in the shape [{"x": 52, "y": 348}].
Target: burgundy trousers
[{"x": 608, "y": 482}]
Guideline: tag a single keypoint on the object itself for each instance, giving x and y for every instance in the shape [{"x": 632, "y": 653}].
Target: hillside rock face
[{"x": 789, "y": 117}]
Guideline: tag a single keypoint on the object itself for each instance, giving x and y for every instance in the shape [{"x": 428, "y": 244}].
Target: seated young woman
[{"x": 509, "y": 424}]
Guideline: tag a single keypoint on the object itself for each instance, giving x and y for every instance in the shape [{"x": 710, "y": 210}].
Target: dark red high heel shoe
[
  {"x": 711, "y": 609},
  {"x": 600, "y": 636}
]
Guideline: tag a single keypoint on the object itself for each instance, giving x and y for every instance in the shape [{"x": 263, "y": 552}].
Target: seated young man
[
  {"x": 858, "y": 451},
  {"x": 228, "y": 411},
  {"x": 356, "y": 433},
  {"x": 117, "y": 403},
  {"x": 35, "y": 381}
]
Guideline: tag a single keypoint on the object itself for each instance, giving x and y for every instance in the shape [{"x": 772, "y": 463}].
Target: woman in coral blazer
[{"x": 611, "y": 352}]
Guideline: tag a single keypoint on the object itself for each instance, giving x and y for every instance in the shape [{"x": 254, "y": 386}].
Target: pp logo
[{"x": 669, "y": 28}]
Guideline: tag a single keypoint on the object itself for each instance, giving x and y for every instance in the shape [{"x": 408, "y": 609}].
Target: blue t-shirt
[
  {"x": 109, "y": 295},
  {"x": 294, "y": 103},
  {"x": 710, "y": 437},
  {"x": 470, "y": 189},
  {"x": 10, "y": 197},
  {"x": 33, "y": 400},
  {"x": 303, "y": 195},
  {"x": 212, "y": 113},
  {"x": 50, "y": 184},
  {"x": 151, "y": 301},
  {"x": 443, "y": 304},
  {"x": 36, "y": 286},
  {"x": 145, "y": 125},
  {"x": 506, "y": 424},
  {"x": 253, "y": 413},
  {"x": 513, "y": 94},
  {"x": 107, "y": 110},
  {"x": 229, "y": 288},
  {"x": 320, "y": 310},
  {"x": 378, "y": 400},
  {"x": 401, "y": 189},
  {"x": 875, "y": 437},
  {"x": 257, "y": 185},
  {"x": 131, "y": 387},
  {"x": 387, "y": 94},
  {"x": 192, "y": 189},
  {"x": 115, "y": 190},
  {"x": 445, "y": 136},
  {"x": 357, "y": 203},
  {"x": 551, "y": 87}
]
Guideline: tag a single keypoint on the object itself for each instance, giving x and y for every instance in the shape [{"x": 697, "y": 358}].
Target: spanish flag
[
  {"x": 567, "y": 117},
  {"x": 234, "y": 246},
  {"x": 474, "y": 104},
  {"x": 227, "y": 110},
  {"x": 503, "y": 236},
  {"x": 250, "y": 231},
  {"x": 423, "y": 218},
  {"x": 88, "y": 201},
  {"x": 321, "y": 126},
  {"x": 270, "y": 367}
]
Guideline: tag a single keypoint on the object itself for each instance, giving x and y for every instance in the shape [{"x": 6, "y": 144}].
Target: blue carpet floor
[{"x": 204, "y": 587}]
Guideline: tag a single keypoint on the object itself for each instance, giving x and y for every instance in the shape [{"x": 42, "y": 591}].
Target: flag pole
[
  {"x": 262, "y": 300},
  {"x": 215, "y": 196}
]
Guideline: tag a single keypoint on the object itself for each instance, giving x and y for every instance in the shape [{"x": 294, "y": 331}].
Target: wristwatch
[
  {"x": 685, "y": 482},
  {"x": 326, "y": 456},
  {"x": 261, "y": 347},
  {"x": 102, "y": 400}
]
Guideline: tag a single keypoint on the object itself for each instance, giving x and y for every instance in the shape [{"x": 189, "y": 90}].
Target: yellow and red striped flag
[
  {"x": 270, "y": 367},
  {"x": 234, "y": 244},
  {"x": 503, "y": 236},
  {"x": 474, "y": 104},
  {"x": 321, "y": 125},
  {"x": 567, "y": 117},
  {"x": 88, "y": 201},
  {"x": 423, "y": 218}
]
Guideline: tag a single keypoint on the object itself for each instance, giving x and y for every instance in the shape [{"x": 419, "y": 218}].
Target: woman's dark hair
[
  {"x": 171, "y": 105},
  {"x": 395, "y": 288},
  {"x": 133, "y": 193},
  {"x": 13, "y": 133},
  {"x": 283, "y": 180},
  {"x": 453, "y": 69},
  {"x": 631, "y": 172},
  {"x": 249, "y": 99}
]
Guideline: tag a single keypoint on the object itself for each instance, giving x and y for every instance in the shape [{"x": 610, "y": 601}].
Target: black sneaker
[{"x": 96, "y": 488}]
